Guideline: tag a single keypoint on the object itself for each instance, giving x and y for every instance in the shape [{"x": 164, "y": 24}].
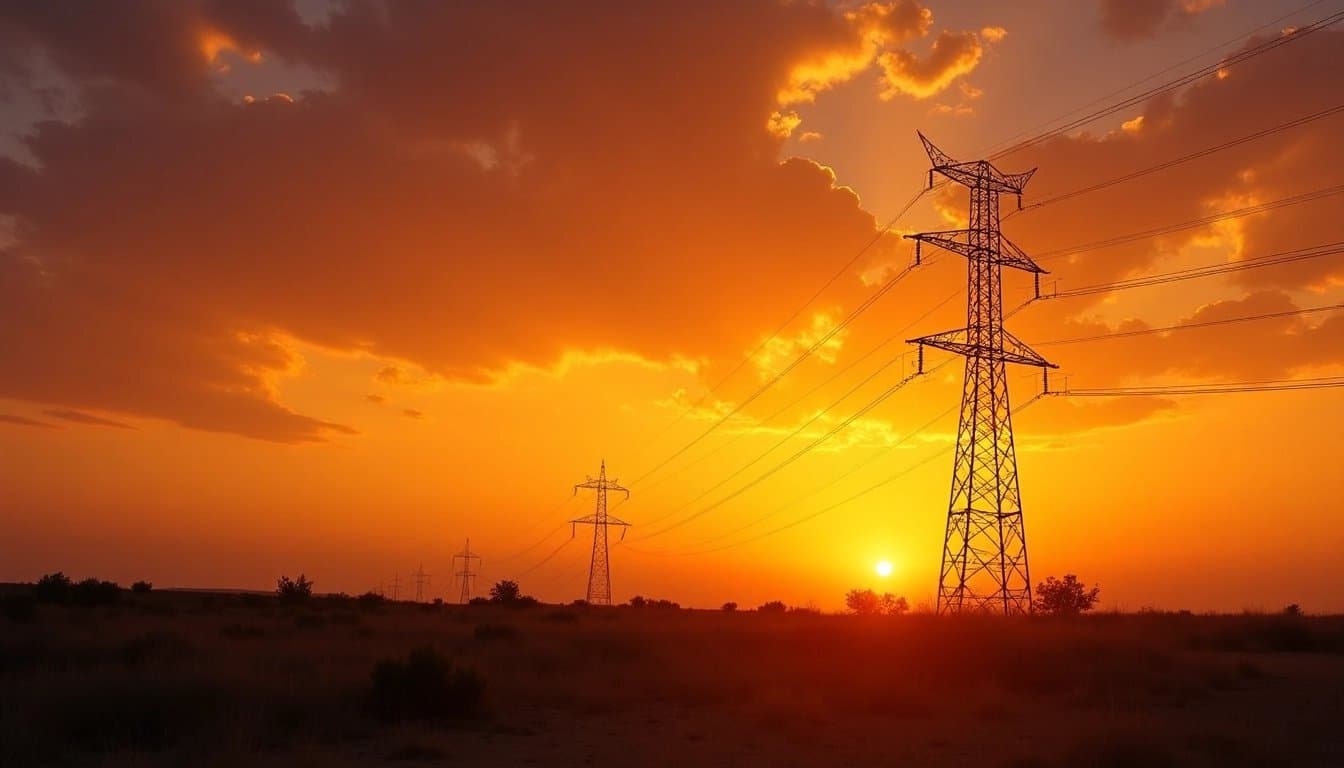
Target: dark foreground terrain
[{"x": 180, "y": 679}]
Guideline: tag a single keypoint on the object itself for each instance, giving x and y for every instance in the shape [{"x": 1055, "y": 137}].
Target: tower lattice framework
[
  {"x": 984, "y": 564},
  {"x": 466, "y": 574},
  {"x": 599, "y": 568}
]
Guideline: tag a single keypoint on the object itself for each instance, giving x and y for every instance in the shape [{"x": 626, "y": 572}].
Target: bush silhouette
[
  {"x": 293, "y": 591},
  {"x": 141, "y": 587},
  {"x": 774, "y": 606},
  {"x": 95, "y": 592},
  {"x": 505, "y": 592},
  {"x": 53, "y": 588},
  {"x": 1064, "y": 597},
  {"x": 730, "y": 606},
  {"x": 425, "y": 686}
]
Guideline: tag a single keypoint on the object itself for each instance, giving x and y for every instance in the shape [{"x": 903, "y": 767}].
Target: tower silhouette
[
  {"x": 465, "y": 574},
  {"x": 984, "y": 564},
  {"x": 421, "y": 579},
  {"x": 599, "y": 572}
]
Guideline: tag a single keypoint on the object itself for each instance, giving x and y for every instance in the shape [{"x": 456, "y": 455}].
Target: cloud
[
  {"x": 24, "y": 421},
  {"x": 1130, "y": 20},
  {"x": 953, "y": 54},
  {"x": 79, "y": 417},
  {"x": 412, "y": 413},
  {"x": 993, "y": 34},
  {"x": 376, "y": 399},
  {"x": 354, "y": 219}
]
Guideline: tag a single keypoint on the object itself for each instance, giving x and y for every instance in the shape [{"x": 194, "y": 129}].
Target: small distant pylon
[
  {"x": 466, "y": 574},
  {"x": 396, "y": 585},
  {"x": 421, "y": 579},
  {"x": 599, "y": 572}
]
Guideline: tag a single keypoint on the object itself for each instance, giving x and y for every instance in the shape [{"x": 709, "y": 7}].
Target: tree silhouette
[
  {"x": 505, "y": 592},
  {"x": 1064, "y": 597},
  {"x": 294, "y": 590}
]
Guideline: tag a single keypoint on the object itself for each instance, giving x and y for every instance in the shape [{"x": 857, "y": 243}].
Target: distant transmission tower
[
  {"x": 421, "y": 579},
  {"x": 599, "y": 573},
  {"x": 396, "y": 585},
  {"x": 984, "y": 564},
  {"x": 466, "y": 574}
]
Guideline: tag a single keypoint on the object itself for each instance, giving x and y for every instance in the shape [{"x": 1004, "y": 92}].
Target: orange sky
[{"x": 329, "y": 289}]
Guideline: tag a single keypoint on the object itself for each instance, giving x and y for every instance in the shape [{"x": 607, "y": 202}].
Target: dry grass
[{"x": 177, "y": 679}]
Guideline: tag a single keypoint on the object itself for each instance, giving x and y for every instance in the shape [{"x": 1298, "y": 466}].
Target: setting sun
[{"x": 883, "y": 568}]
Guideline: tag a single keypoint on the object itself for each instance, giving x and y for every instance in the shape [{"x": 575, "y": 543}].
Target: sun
[{"x": 883, "y": 568}]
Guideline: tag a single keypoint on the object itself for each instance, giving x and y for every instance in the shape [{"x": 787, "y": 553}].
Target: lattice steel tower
[
  {"x": 599, "y": 572},
  {"x": 466, "y": 574},
  {"x": 984, "y": 566}
]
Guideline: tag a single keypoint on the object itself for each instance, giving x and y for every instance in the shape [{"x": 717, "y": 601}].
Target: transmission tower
[
  {"x": 396, "y": 587},
  {"x": 599, "y": 574},
  {"x": 984, "y": 565},
  {"x": 466, "y": 574},
  {"x": 421, "y": 579}
]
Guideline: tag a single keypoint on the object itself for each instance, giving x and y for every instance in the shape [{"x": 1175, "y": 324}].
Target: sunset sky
[{"x": 329, "y": 287}]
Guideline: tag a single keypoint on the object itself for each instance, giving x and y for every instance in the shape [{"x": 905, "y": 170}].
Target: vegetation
[
  {"x": 1064, "y": 597},
  {"x": 730, "y": 606},
  {"x": 774, "y": 606},
  {"x": 166, "y": 680},
  {"x": 142, "y": 587},
  {"x": 505, "y": 592},
  {"x": 425, "y": 686},
  {"x": 293, "y": 591},
  {"x": 866, "y": 602}
]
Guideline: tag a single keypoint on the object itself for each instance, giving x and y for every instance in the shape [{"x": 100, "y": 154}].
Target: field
[{"x": 190, "y": 679}]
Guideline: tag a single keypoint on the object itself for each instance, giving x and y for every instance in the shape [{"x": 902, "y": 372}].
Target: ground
[{"x": 175, "y": 679}]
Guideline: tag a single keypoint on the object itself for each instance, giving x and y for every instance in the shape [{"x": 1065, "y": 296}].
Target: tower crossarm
[
  {"x": 977, "y": 173},
  {"x": 960, "y": 241},
  {"x": 958, "y": 341}
]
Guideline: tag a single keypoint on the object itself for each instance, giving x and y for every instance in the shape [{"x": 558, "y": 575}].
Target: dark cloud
[
  {"x": 24, "y": 421},
  {"x": 1130, "y": 20},
  {"x": 79, "y": 417}
]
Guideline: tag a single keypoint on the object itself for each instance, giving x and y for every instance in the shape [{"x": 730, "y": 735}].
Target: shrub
[
  {"x": 894, "y": 605},
  {"x": 294, "y": 590},
  {"x": 141, "y": 587},
  {"x": 862, "y": 602},
  {"x": 637, "y": 602},
  {"x": 505, "y": 592},
  {"x": 774, "y": 606},
  {"x": 371, "y": 600},
  {"x": 53, "y": 588},
  {"x": 730, "y": 606},
  {"x": 478, "y": 601},
  {"x": 95, "y": 592},
  {"x": 425, "y": 686},
  {"x": 1064, "y": 597},
  {"x": 580, "y": 603},
  {"x": 1292, "y": 609}
]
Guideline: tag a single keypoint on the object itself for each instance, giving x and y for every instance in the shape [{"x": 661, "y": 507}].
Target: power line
[
  {"x": 797, "y": 455},
  {"x": 1208, "y": 270},
  {"x": 1146, "y": 234},
  {"x": 797, "y": 430},
  {"x": 1230, "y": 41},
  {"x": 897, "y": 336},
  {"x": 1171, "y": 85},
  {"x": 1190, "y": 326},
  {"x": 832, "y": 507},
  {"x": 1225, "y": 388},
  {"x": 1049, "y": 199},
  {"x": 826, "y": 337},
  {"x": 789, "y": 320}
]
